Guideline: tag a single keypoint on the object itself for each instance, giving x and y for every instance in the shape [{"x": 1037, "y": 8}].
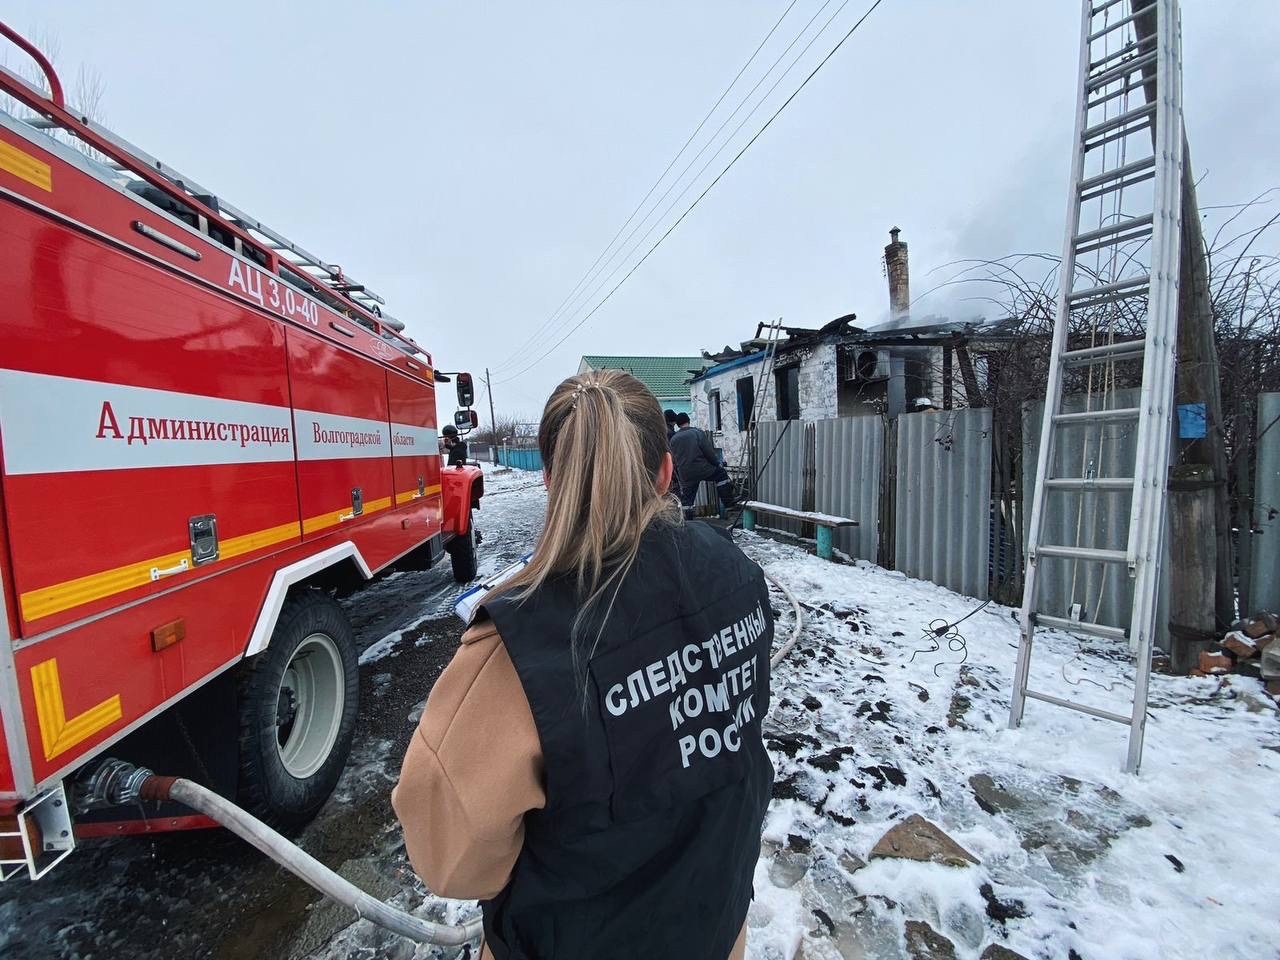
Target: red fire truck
[{"x": 206, "y": 434}]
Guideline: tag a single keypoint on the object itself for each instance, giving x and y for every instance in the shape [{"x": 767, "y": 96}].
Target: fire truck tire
[
  {"x": 462, "y": 551},
  {"x": 298, "y": 703}
]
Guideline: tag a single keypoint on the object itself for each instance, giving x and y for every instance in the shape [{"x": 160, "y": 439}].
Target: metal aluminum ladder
[
  {"x": 746, "y": 457},
  {"x": 1117, "y": 304}
]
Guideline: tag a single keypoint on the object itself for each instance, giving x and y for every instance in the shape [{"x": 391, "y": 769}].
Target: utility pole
[
  {"x": 1201, "y": 589},
  {"x": 493, "y": 421}
]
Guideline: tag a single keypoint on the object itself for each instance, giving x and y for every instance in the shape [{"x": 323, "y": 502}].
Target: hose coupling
[{"x": 115, "y": 783}]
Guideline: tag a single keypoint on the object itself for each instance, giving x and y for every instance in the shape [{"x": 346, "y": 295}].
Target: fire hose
[
  {"x": 783, "y": 650},
  {"x": 116, "y": 782}
]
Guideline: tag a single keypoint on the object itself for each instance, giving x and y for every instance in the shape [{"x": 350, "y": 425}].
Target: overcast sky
[{"x": 469, "y": 161}]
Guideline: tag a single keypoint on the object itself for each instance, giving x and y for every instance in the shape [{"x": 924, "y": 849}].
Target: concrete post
[{"x": 1193, "y": 554}]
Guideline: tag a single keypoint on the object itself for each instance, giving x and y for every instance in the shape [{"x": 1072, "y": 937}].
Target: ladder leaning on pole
[{"x": 1117, "y": 304}]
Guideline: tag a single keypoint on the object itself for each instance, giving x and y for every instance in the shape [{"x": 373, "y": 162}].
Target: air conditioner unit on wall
[{"x": 864, "y": 364}]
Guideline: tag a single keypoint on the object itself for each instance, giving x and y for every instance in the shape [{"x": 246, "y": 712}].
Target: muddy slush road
[{"x": 207, "y": 894}]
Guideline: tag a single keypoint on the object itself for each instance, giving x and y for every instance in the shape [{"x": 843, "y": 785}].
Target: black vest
[{"x": 657, "y": 779}]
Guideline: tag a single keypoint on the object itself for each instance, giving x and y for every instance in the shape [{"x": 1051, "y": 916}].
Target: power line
[
  {"x": 625, "y": 254},
  {"x": 590, "y": 270},
  {"x": 626, "y": 249},
  {"x": 710, "y": 160},
  {"x": 822, "y": 63}
]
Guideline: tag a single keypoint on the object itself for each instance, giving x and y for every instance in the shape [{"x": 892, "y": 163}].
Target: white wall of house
[
  {"x": 704, "y": 393},
  {"x": 817, "y": 383}
]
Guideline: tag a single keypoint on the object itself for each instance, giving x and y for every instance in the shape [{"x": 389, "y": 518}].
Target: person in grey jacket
[{"x": 695, "y": 461}]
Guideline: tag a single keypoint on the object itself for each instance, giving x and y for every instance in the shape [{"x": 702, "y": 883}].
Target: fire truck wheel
[
  {"x": 298, "y": 702},
  {"x": 462, "y": 550}
]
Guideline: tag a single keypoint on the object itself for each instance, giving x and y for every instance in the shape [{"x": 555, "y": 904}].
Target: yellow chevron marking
[
  {"x": 25, "y": 167},
  {"x": 58, "y": 734}
]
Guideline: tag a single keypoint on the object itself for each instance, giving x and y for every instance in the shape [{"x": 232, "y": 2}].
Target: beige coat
[{"x": 471, "y": 773}]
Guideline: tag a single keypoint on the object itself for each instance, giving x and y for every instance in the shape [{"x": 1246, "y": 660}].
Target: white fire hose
[
  {"x": 783, "y": 650},
  {"x": 118, "y": 783},
  {"x": 307, "y": 868}
]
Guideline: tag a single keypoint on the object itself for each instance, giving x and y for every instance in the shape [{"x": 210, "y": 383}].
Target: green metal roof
[{"x": 665, "y": 376}]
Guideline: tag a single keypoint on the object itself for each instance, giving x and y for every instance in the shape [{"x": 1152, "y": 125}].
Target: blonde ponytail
[{"x": 603, "y": 442}]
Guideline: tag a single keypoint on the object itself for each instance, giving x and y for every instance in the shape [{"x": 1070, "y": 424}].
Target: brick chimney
[{"x": 895, "y": 265}]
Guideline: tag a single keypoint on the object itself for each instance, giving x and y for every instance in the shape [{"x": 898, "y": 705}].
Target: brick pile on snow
[{"x": 1249, "y": 647}]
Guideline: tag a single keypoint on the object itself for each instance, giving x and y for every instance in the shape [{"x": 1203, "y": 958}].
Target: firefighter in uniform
[
  {"x": 590, "y": 765},
  {"x": 455, "y": 445}
]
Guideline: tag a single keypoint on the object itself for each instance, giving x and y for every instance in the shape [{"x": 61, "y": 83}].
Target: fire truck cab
[{"x": 207, "y": 434}]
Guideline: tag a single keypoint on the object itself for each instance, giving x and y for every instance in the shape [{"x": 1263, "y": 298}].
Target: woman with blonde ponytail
[{"x": 590, "y": 764}]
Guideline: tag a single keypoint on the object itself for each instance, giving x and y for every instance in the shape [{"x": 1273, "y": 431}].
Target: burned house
[{"x": 842, "y": 370}]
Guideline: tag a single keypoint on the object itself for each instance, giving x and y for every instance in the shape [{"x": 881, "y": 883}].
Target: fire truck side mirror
[
  {"x": 466, "y": 420},
  {"x": 466, "y": 390}
]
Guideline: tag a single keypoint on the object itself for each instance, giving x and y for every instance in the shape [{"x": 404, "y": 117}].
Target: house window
[
  {"x": 787, "y": 389},
  {"x": 713, "y": 401},
  {"x": 746, "y": 388}
]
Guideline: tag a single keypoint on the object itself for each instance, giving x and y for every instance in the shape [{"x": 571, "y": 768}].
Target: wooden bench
[{"x": 825, "y": 522}]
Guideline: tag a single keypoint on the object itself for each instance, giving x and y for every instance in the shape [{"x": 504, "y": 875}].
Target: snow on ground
[
  {"x": 871, "y": 724},
  {"x": 502, "y": 480},
  {"x": 111, "y": 897},
  {"x": 387, "y": 645},
  {"x": 1075, "y": 855},
  {"x": 510, "y": 517}
]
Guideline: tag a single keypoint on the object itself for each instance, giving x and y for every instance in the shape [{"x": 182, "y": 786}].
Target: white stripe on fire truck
[
  {"x": 332, "y": 436},
  {"x": 54, "y": 424},
  {"x": 57, "y": 424},
  {"x": 408, "y": 440}
]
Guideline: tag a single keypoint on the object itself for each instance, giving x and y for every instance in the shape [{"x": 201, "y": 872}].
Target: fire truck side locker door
[
  {"x": 131, "y": 400},
  {"x": 340, "y": 422},
  {"x": 415, "y": 453}
]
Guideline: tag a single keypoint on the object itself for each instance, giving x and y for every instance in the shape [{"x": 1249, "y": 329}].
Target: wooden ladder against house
[{"x": 1117, "y": 304}]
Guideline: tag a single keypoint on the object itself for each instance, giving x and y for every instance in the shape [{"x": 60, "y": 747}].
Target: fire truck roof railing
[{"x": 123, "y": 158}]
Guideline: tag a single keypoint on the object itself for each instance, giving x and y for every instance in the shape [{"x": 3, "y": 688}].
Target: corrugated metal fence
[
  {"x": 1264, "y": 573},
  {"x": 779, "y": 462},
  {"x": 943, "y": 502},
  {"x": 1090, "y": 519},
  {"x": 942, "y": 498},
  {"x": 935, "y": 517},
  {"x": 849, "y": 455},
  {"x": 521, "y": 458}
]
